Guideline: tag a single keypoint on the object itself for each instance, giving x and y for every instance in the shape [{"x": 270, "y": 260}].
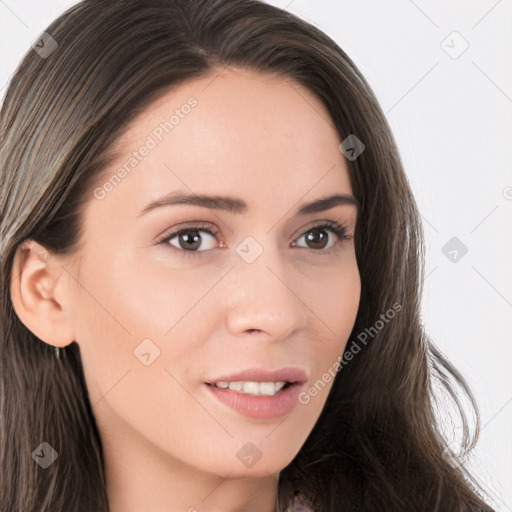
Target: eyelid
[{"x": 197, "y": 226}]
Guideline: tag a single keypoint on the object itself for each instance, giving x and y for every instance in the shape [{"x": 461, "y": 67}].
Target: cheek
[
  {"x": 113, "y": 312},
  {"x": 134, "y": 336},
  {"x": 335, "y": 301},
  {"x": 340, "y": 299},
  {"x": 335, "y": 311},
  {"x": 129, "y": 313}
]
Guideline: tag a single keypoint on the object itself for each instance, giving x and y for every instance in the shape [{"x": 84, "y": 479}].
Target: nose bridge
[{"x": 262, "y": 297}]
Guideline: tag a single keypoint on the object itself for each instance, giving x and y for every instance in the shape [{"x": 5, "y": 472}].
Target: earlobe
[{"x": 39, "y": 294}]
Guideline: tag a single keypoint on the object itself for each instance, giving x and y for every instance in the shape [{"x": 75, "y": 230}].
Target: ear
[{"x": 40, "y": 294}]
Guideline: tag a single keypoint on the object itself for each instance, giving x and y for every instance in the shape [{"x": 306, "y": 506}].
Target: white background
[{"x": 452, "y": 119}]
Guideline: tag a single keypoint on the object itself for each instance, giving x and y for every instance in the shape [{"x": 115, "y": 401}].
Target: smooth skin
[{"x": 169, "y": 445}]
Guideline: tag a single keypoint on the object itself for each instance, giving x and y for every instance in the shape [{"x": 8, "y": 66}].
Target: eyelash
[{"x": 340, "y": 230}]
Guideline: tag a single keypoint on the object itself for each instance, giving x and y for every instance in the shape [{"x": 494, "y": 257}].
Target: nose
[{"x": 262, "y": 298}]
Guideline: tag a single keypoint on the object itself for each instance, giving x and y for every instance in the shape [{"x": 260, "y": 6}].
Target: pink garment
[{"x": 299, "y": 504}]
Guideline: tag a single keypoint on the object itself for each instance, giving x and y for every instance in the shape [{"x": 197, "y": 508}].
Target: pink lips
[
  {"x": 261, "y": 407},
  {"x": 288, "y": 374}
]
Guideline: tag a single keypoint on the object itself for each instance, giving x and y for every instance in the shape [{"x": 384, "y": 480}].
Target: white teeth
[
  {"x": 253, "y": 388},
  {"x": 236, "y": 386},
  {"x": 265, "y": 388},
  {"x": 279, "y": 385}
]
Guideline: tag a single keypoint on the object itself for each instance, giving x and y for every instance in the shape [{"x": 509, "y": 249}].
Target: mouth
[
  {"x": 254, "y": 388},
  {"x": 259, "y": 393}
]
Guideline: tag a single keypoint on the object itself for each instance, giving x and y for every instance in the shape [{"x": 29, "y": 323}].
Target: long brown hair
[{"x": 378, "y": 444}]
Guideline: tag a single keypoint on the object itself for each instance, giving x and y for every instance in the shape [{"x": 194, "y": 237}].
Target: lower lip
[{"x": 259, "y": 407}]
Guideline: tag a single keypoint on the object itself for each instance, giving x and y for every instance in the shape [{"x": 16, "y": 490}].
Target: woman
[{"x": 211, "y": 275}]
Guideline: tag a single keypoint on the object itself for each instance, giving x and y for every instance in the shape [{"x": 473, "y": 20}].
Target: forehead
[{"x": 233, "y": 130}]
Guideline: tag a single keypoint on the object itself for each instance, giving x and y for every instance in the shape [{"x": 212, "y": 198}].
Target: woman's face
[{"x": 158, "y": 316}]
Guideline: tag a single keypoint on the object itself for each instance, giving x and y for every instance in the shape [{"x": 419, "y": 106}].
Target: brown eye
[
  {"x": 190, "y": 239},
  {"x": 317, "y": 237}
]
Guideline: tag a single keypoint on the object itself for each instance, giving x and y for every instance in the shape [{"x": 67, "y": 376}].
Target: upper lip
[{"x": 288, "y": 374}]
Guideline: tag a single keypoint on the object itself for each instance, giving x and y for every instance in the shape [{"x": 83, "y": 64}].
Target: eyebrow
[{"x": 239, "y": 206}]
